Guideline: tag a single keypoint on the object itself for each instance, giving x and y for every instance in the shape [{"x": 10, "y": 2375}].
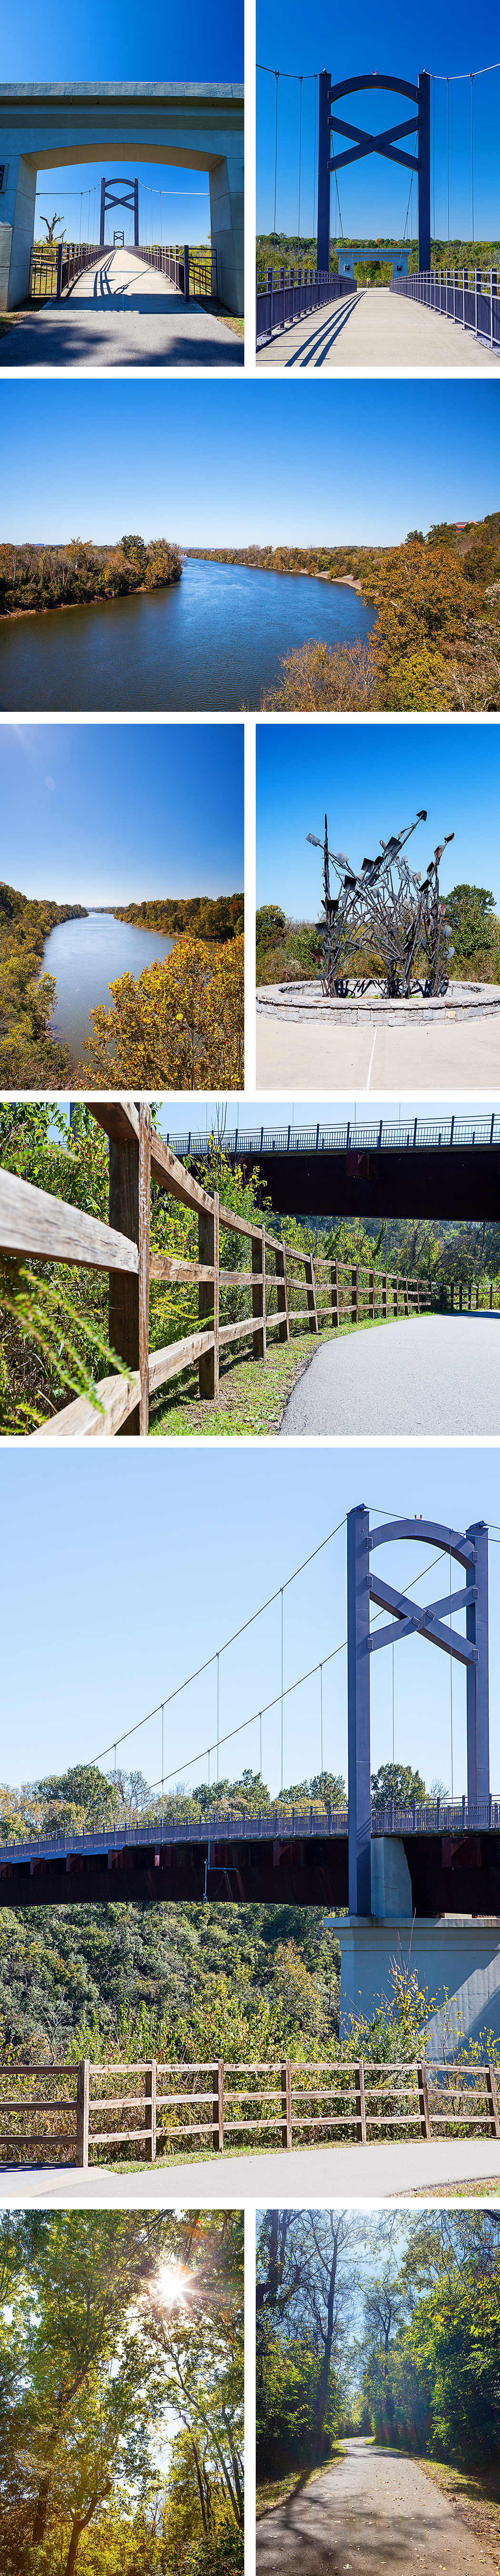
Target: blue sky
[
  {"x": 256, "y": 1514},
  {"x": 373, "y": 198},
  {"x": 109, "y": 812},
  {"x": 211, "y": 464},
  {"x": 370, "y": 780},
  {"x": 174, "y": 205},
  {"x": 122, "y": 43}
]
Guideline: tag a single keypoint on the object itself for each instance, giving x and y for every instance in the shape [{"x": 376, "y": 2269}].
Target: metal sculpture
[{"x": 386, "y": 917}]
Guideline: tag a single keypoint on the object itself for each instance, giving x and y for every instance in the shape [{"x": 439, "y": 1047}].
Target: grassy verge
[
  {"x": 272, "y": 2491},
  {"x": 475, "y": 2496},
  {"x": 233, "y": 322},
  {"x": 252, "y": 1393},
  {"x": 487, "y": 2190}
]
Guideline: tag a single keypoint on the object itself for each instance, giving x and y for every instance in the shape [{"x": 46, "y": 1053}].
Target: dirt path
[{"x": 374, "y": 2511}]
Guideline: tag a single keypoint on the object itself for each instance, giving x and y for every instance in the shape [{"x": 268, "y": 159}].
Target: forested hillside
[
  {"x": 216, "y": 917},
  {"x": 29, "y": 1055}
]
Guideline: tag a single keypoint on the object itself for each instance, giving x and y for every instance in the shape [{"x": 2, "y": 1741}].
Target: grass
[
  {"x": 233, "y": 322},
  {"x": 252, "y": 1393},
  {"x": 273, "y": 2491},
  {"x": 475, "y": 2496}
]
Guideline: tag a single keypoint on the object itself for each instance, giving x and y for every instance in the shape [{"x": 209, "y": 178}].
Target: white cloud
[{"x": 50, "y": 782}]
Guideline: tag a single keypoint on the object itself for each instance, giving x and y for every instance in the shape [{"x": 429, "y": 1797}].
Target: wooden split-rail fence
[
  {"x": 74, "y": 2113},
  {"x": 33, "y": 1223}
]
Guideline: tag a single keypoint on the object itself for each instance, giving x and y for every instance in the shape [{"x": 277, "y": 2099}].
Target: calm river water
[
  {"x": 85, "y": 957},
  {"x": 213, "y": 641}
]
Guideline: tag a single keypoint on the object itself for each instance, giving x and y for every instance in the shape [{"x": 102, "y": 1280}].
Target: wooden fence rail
[
  {"x": 288, "y": 1287},
  {"x": 150, "y": 2107}
]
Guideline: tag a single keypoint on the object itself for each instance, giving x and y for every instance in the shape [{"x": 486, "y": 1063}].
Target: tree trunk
[
  {"x": 327, "y": 2350},
  {"x": 73, "y": 2546}
]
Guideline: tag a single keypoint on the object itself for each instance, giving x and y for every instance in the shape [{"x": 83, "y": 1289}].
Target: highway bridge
[
  {"x": 284, "y": 1857},
  {"x": 447, "y": 1167}
]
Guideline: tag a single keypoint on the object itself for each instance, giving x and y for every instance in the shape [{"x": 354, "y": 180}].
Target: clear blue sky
[
  {"x": 123, "y": 43},
  {"x": 180, "y": 213},
  {"x": 370, "y": 779},
  {"x": 219, "y": 1532},
  {"x": 212, "y": 464},
  {"x": 373, "y": 197},
  {"x": 110, "y": 812}
]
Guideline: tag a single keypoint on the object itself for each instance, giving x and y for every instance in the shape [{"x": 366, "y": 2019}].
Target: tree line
[
  {"x": 121, "y": 2393},
  {"x": 29, "y": 1054},
  {"x": 435, "y": 643},
  {"x": 210, "y": 917},
  {"x": 37, "y": 577},
  {"x": 382, "y": 2325}
]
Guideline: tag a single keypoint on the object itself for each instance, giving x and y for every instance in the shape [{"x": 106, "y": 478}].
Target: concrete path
[
  {"x": 120, "y": 314},
  {"x": 428, "y": 1375},
  {"x": 293, "y": 1057},
  {"x": 377, "y": 2173},
  {"x": 376, "y": 329},
  {"x": 372, "y": 2511}
]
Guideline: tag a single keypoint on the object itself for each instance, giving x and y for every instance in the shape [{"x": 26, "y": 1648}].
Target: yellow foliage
[{"x": 181, "y": 1025}]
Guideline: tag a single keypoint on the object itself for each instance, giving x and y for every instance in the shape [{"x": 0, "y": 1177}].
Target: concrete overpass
[
  {"x": 185, "y": 124},
  {"x": 416, "y": 1167}
]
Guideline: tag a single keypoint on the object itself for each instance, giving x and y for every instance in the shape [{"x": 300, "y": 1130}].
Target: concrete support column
[
  {"x": 17, "y": 224},
  {"x": 227, "y": 229}
]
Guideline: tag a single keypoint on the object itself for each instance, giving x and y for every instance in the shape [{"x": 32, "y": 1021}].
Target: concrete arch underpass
[{"x": 182, "y": 124}]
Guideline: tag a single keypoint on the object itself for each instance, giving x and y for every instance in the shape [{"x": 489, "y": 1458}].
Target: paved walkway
[
  {"x": 293, "y": 1057},
  {"x": 376, "y": 329},
  {"x": 324, "y": 2173},
  {"x": 373, "y": 2510},
  {"x": 427, "y": 1376},
  {"x": 120, "y": 314}
]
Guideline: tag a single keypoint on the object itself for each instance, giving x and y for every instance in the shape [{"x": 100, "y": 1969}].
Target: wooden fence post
[
  {"x": 423, "y": 2101},
  {"x": 208, "y": 1297},
  {"x": 384, "y": 1296},
  {"x": 286, "y": 2104},
  {"x": 311, "y": 1293},
  {"x": 371, "y": 1296},
  {"x": 218, "y": 2111},
  {"x": 144, "y": 1234},
  {"x": 492, "y": 2096},
  {"x": 123, "y": 1286},
  {"x": 82, "y": 2111},
  {"x": 359, "y": 2081},
  {"x": 405, "y": 1296},
  {"x": 354, "y": 1296},
  {"x": 395, "y": 1295},
  {"x": 150, "y": 2114},
  {"x": 282, "y": 1293},
  {"x": 334, "y": 1276},
  {"x": 259, "y": 1292}
]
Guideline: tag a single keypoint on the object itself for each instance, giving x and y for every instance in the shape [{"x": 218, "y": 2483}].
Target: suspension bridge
[
  {"x": 411, "y": 1166},
  {"x": 368, "y": 327}
]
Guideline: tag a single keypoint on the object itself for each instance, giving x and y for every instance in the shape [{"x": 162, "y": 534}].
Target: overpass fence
[
  {"x": 32, "y": 1223},
  {"x": 112, "y": 2111},
  {"x": 183, "y": 268},
  {"x": 53, "y": 276},
  {"x": 349, "y": 1136},
  {"x": 474, "y": 307},
  {"x": 277, "y": 306}
]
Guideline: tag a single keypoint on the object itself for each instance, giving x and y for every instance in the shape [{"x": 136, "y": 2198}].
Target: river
[
  {"x": 212, "y": 641},
  {"x": 86, "y": 956}
]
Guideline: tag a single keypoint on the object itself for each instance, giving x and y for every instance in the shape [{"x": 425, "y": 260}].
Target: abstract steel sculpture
[{"x": 385, "y": 917}]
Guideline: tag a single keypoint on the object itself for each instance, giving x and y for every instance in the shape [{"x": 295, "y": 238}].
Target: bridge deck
[
  {"x": 453, "y": 1857},
  {"x": 375, "y": 330}
]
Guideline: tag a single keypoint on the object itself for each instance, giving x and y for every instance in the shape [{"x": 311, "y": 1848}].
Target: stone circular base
[{"x": 308, "y": 1003}]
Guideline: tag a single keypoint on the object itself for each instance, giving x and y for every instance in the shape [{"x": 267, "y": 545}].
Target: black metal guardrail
[
  {"x": 475, "y": 307},
  {"x": 277, "y": 1823},
  {"x": 182, "y": 268},
  {"x": 49, "y": 276},
  {"x": 277, "y": 306},
  {"x": 350, "y": 1137}
]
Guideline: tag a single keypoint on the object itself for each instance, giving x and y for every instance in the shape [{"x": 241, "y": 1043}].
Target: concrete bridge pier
[
  {"x": 17, "y": 225},
  {"x": 457, "y": 1962},
  {"x": 227, "y": 229}
]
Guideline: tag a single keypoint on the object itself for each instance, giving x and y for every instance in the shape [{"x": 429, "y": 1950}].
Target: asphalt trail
[
  {"x": 374, "y": 2511},
  {"x": 431, "y": 1374}
]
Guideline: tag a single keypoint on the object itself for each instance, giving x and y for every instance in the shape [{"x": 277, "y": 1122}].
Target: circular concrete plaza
[
  {"x": 427, "y": 1376},
  {"x": 376, "y": 329},
  {"x": 317, "y": 1055},
  {"x": 120, "y": 314}
]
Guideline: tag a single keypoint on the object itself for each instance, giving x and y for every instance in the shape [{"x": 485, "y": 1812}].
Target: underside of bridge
[
  {"x": 434, "y": 1181},
  {"x": 447, "y": 1877}
]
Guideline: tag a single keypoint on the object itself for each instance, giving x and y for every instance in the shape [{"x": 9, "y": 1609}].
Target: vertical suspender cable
[
  {"x": 472, "y": 162},
  {"x": 300, "y": 192},
  {"x": 321, "y": 1689},
  {"x": 451, "y": 1689},
  {"x": 300, "y": 154},
  {"x": 282, "y": 1689},
  {"x": 434, "y": 164},
  {"x": 448, "y": 153},
  {"x": 275, "y": 170}
]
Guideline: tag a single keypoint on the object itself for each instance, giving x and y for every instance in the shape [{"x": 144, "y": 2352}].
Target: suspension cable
[{"x": 300, "y": 153}]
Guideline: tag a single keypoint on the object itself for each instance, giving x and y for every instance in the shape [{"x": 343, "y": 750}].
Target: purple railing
[
  {"x": 474, "y": 306},
  {"x": 280, "y": 305}
]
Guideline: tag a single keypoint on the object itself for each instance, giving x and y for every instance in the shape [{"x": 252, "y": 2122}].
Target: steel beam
[{"x": 358, "y": 1710}]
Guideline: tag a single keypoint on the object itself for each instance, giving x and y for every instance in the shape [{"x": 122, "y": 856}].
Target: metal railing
[
  {"x": 53, "y": 276},
  {"x": 475, "y": 307},
  {"x": 277, "y": 306},
  {"x": 274, "y": 1824},
  {"x": 351, "y": 1135},
  {"x": 182, "y": 268},
  {"x": 114, "y": 2108}
]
